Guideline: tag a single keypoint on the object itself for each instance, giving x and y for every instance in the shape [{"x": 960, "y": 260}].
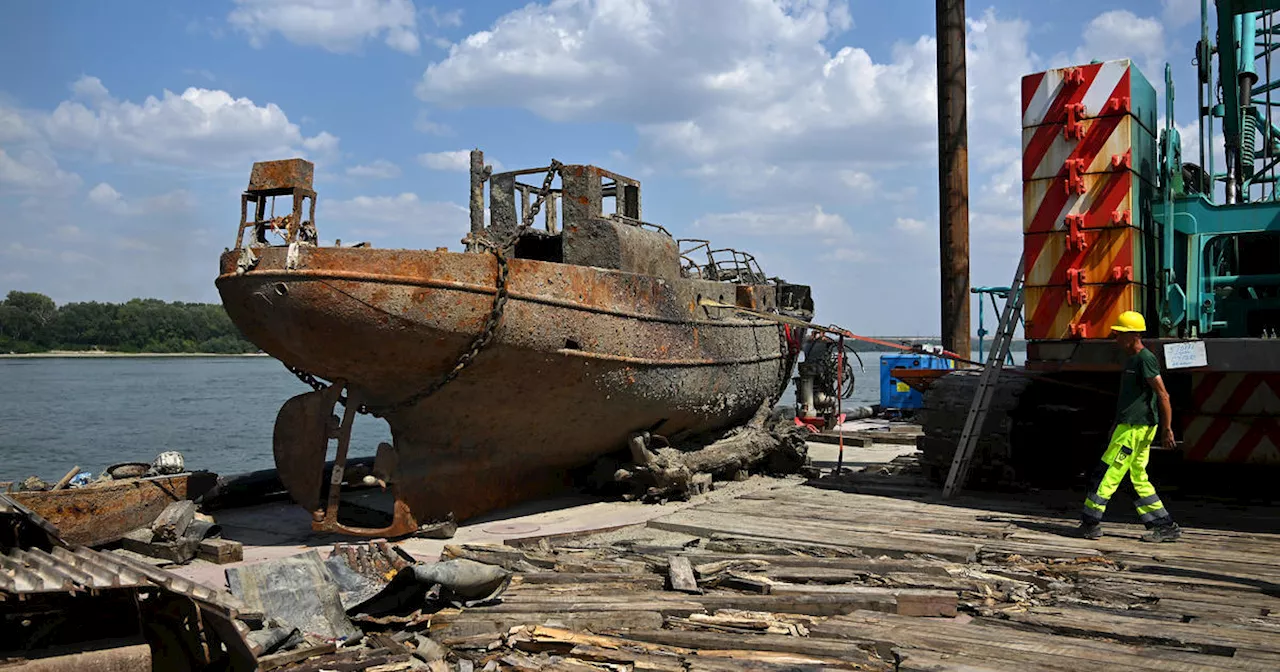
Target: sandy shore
[{"x": 98, "y": 354}]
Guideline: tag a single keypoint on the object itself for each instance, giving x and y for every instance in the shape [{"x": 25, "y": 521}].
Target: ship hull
[{"x": 582, "y": 358}]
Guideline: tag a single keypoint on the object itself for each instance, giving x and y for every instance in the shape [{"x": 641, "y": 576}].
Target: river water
[{"x": 56, "y": 413}]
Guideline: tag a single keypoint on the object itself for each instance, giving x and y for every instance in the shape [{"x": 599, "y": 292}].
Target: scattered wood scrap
[
  {"x": 864, "y": 571},
  {"x": 875, "y": 573}
]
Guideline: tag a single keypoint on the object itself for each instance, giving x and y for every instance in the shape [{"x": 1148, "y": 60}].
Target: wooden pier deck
[{"x": 874, "y": 571}]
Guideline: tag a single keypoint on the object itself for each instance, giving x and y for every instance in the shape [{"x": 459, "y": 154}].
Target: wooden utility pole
[{"x": 953, "y": 177}]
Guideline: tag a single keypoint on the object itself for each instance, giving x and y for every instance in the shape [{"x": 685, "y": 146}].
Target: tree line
[{"x": 32, "y": 322}]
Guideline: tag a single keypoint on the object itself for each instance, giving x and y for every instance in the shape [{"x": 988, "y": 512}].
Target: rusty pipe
[{"x": 477, "y": 196}]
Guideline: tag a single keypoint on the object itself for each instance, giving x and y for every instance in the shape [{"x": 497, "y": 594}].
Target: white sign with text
[{"x": 1185, "y": 355}]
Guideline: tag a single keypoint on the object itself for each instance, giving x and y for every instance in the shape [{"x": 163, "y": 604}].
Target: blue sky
[{"x": 800, "y": 130}]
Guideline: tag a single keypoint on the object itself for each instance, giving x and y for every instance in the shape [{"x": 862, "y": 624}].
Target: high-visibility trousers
[{"x": 1128, "y": 452}]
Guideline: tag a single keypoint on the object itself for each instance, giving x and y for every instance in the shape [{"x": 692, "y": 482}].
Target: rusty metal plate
[
  {"x": 280, "y": 175},
  {"x": 104, "y": 512},
  {"x": 300, "y": 442}
]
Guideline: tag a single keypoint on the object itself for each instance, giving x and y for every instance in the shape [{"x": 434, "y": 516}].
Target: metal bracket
[
  {"x": 1075, "y": 177},
  {"x": 326, "y": 520},
  {"x": 1074, "y": 128},
  {"x": 1076, "y": 241},
  {"x": 1076, "y": 295}
]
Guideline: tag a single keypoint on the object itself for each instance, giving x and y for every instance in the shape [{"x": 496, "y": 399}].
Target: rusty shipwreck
[{"x": 567, "y": 324}]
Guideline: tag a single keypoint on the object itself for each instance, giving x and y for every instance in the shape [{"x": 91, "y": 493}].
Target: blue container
[{"x": 895, "y": 394}]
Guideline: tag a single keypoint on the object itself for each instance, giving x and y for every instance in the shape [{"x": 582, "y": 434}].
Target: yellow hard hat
[{"x": 1130, "y": 321}]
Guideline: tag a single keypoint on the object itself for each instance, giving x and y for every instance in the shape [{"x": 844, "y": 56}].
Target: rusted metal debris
[
  {"x": 574, "y": 335},
  {"x": 67, "y": 607},
  {"x": 296, "y": 591},
  {"x": 107, "y": 510}
]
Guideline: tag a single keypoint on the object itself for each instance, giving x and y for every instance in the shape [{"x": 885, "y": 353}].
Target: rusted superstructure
[{"x": 501, "y": 368}]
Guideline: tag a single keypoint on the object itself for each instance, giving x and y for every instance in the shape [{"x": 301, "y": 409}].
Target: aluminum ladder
[{"x": 986, "y": 386}]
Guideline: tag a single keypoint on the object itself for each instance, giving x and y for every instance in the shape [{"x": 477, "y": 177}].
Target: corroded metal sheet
[
  {"x": 299, "y": 444},
  {"x": 281, "y": 175},
  {"x": 104, "y": 512},
  {"x": 27, "y": 571}
]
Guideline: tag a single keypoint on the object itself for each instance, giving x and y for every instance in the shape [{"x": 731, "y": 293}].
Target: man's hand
[{"x": 1166, "y": 411}]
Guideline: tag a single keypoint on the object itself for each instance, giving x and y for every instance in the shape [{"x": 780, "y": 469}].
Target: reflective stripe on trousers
[{"x": 1128, "y": 453}]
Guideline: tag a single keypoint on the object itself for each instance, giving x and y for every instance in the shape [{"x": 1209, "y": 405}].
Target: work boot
[
  {"x": 1089, "y": 530},
  {"x": 1170, "y": 532}
]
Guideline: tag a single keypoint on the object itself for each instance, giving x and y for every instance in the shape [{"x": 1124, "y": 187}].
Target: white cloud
[
  {"x": 13, "y": 127},
  {"x": 90, "y": 89},
  {"x": 1178, "y": 13},
  {"x": 405, "y": 209},
  {"x": 14, "y": 248},
  {"x": 422, "y": 124},
  {"x": 845, "y": 254},
  {"x": 790, "y": 223},
  {"x": 33, "y": 172},
  {"x": 648, "y": 60},
  {"x": 106, "y": 198},
  {"x": 701, "y": 88},
  {"x": 380, "y": 169},
  {"x": 74, "y": 258},
  {"x": 1120, "y": 33},
  {"x": 70, "y": 233},
  {"x": 458, "y": 160},
  {"x": 340, "y": 26},
  {"x": 909, "y": 225},
  {"x": 321, "y": 143},
  {"x": 449, "y": 19},
  {"x": 199, "y": 127}
]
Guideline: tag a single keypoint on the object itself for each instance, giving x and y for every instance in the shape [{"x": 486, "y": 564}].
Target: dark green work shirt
[{"x": 1137, "y": 403}]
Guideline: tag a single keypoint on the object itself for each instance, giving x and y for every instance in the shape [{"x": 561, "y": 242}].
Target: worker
[{"x": 1142, "y": 394}]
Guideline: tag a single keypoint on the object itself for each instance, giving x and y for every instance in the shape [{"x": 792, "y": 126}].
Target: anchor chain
[{"x": 491, "y": 324}]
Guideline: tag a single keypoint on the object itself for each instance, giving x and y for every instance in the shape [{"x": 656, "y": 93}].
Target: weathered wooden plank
[
  {"x": 681, "y": 575},
  {"x": 868, "y": 565},
  {"x": 1080, "y": 622},
  {"x": 852, "y": 651},
  {"x": 692, "y": 521},
  {"x": 1222, "y": 584},
  {"x": 923, "y": 660},
  {"x": 1048, "y": 651},
  {"x": 649, "y": 581},
  {"x": 647, "y": 661},
  {"x": 275, "y": 660},
  {"x": 173, "y": 521},
  {"x": 220, "y": 551},
  {"x": 908, "y": 602},
  {"x": 481, "y": 623}
]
